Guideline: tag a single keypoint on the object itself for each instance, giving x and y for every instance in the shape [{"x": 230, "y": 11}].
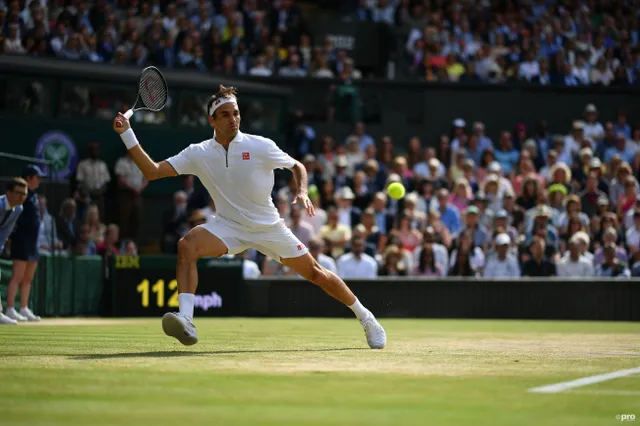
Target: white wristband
[{"x": 129, "y": 139}]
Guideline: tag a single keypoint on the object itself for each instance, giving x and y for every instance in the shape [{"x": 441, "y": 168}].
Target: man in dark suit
[
  {"x": 67, "y": 224},
  {"x": 10, "y": 210},
  {"x": 347, "y": 214},
  {"x": 341, "y": 179}
]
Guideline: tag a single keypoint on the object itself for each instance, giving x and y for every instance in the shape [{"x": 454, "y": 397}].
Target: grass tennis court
[{"x": 315, "y": 372}]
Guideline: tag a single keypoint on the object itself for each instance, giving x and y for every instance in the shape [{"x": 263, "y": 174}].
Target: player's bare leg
[
  {"x": 196, "y": 244},
  {"x": 17, "y": 275},
  {"x": 333, "y": 285}
]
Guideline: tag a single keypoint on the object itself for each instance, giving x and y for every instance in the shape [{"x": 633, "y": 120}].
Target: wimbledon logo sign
[{"x": 57, "y": 147}]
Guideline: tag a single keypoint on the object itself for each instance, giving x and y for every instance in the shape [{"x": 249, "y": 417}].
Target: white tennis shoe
[
  {"x": 376, "y": 337},
  {"x": 30, "y": 316},
  {"x": 6, "y": 320},
  {"x": 181, "y": 327},
  {"x": 14, "y": 315}
]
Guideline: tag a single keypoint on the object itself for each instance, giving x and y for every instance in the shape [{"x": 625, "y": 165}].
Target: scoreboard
[{"x": 147, "y": 286}]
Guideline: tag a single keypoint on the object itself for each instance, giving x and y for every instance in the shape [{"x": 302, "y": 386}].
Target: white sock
[
  {"x": 186, "y": 301},
  {"x": 360, "y": 311}
]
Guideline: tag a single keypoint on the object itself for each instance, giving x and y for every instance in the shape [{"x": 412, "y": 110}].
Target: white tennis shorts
[{"x": 277, "y": 241}]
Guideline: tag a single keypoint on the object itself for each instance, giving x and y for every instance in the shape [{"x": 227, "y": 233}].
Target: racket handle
[{"x": 128, "y": 114}]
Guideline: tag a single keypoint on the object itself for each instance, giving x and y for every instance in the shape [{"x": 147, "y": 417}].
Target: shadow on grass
[{"x": 171, "y": 354}]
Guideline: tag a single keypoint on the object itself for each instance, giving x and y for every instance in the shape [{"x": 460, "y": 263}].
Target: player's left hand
[{"x": 303, "y": 199}]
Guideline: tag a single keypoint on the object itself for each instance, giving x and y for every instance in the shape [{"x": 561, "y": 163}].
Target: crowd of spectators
[
  {"x": 527, "y": 203},
  {"x": 570, "y": 43},
  {"x": 241, "y": 37}
]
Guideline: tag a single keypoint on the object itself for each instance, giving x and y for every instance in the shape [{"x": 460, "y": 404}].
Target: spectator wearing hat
[
  {"x": 611, "y": 265},
  {"x": 458, "y": 134},
  {"x": 538, "y": 265},
  {"x": 573, "y": 264},
  {"x": 580, "y": 168},
  {"x": 504, "y": 184},
  {"x": 353, "y": 154},
  {"x": 391, "y": 263},
  {"x": 375, "y": 176},
  {"x": 501, "y": 226},
  {"x": 593, "y": 129},
  {"x": 347, "y": 213},
  {"x": 491, "y": 190},
  {"x": 340, "y": 178},
  {"x": 595, "y": 166},
  {"x": 456, "y": 171},
  {"x": 461, "y": 195},
  {"x": 471, "y": 224},
  {"x": 24, "y": 248},
  {"x": 502, "y": 264},
  {"x": 542, "y": 228},
  {"x": 591, "y": 195},
  {"x": 557, "y": 195},
  {"x": 574, "y": 142}
]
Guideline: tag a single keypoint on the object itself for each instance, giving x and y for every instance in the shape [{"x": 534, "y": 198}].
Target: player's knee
[
  {"x": 317, "y": 274},
  {"x": 186, "y": 250}
]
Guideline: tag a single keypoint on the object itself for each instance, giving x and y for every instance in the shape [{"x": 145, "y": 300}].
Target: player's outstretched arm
[{"x": 149, "y": 168}]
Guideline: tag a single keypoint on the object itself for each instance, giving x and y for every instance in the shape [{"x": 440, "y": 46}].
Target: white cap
[
  {"x": 503, "y": 239},
  {"x": 459, "y": 122},
  {"x": 494, "y": 166},
  {"x": 346, "y": 193}
]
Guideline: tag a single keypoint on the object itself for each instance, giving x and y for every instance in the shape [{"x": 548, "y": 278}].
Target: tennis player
[{"x": 237, "y": 170}]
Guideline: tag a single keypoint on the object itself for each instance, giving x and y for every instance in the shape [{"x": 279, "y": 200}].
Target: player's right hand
[{"x": 121, "y": 124}]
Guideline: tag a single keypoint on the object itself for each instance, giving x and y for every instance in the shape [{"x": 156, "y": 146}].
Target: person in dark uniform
[
  {"x": 24, "y": 248},
  {"x": 10, "y": 210}
]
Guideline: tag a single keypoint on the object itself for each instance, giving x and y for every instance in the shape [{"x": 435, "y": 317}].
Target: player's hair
[
  {"x": 16, "y": 183},
  {"x": 223, "y": 92}
]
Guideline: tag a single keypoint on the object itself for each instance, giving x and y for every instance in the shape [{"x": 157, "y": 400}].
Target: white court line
[
  {"x": 585, "y": 381},
  {"x": 605, "y": 392}
]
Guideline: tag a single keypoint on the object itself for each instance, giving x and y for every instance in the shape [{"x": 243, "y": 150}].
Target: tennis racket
[{"x": 152, "y": 92}]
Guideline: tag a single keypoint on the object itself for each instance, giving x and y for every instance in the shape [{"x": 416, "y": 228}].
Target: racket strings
[{"x": 153, "y": 90}]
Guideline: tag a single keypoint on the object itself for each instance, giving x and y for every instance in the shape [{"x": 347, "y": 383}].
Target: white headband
[{"x": 219, "y": 102}]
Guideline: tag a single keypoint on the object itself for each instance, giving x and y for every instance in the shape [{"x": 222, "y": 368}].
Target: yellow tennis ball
[{"x": 396, "y": 190}]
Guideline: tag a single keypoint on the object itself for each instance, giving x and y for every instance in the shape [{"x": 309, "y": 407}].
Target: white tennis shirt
[{"x": 239, "y": 180}]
